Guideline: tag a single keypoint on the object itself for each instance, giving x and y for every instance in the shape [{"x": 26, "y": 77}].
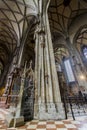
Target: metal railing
[{"x": 75, "y": 106}]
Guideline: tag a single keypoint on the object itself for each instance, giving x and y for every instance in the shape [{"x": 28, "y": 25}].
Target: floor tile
[
  {"x": 50, "y": 122},
  {"x": 70, "y": 126},
  {"x": 67, "y": 122},
  {"x": 61, "y": 129},
  {"x": 79, "y": 125},
  {"x": 3, "y": 129},
  {"x": 42, "y": 123},
  {"x": 51, "y": 129},
  {"x": 72, "y": 129},
  {"x": 50, "y": 126},
  {"x": 21, "y": 129},
  {"x": 59, "y": 122},
  {"x": 75, "y": 122},
  {"x": 41, "y": 126},
  {"x": 42, "y": 129},
  {"x": 32, "y": 127},
  {"x": 82, "y": 129},
  {"x": 33, "y": 123},
  {"x": 60, "y": 126}
]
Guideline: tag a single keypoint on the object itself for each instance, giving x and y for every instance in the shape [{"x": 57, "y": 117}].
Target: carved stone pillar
[{"x": 48, "y": 103}]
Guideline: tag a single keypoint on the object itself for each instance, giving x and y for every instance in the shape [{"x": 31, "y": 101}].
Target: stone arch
[
  {"x": 80, "y": 42},
  {"x": 78, "y": 32},
  {"x": 77, "y": 23}
]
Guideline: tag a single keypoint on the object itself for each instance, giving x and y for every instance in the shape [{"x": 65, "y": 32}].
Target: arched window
[
  {"x": 84, "y": 51},
  {"x": 81, "y": 45},
  {"x": 69, "y": 71}
]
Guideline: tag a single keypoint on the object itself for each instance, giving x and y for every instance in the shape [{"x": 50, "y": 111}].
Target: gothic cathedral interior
[{"x": 43, "y": 59}]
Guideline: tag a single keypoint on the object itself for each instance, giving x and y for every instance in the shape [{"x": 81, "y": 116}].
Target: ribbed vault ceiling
[
  {"x": 81, "y": 39},
  {"x": 63, "y": 12},
  {"x": 15, "y": 18}
]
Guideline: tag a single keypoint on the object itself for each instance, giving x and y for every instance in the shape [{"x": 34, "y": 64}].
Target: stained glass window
[{"x": 85, "y": 52}]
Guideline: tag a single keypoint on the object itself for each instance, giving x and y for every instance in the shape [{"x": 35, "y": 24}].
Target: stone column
[
  {"x": 48, "y": 103},
  {"x": 21, "y": 49}
]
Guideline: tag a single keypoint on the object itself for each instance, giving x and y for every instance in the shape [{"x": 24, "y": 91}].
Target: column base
[
  {"x": 50, "y": 111},
  {"x": 18, "y": 121},
  {"x": 14, "y": 121}
]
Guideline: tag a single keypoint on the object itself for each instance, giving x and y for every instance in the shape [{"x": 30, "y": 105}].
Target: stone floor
[{"x": 79, "y": 124}]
